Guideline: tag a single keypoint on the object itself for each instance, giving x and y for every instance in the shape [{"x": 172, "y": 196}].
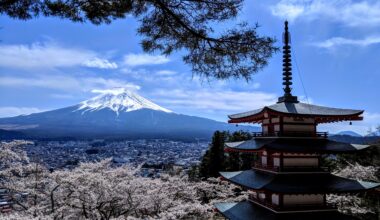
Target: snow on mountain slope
[
  {"x": 350, "y": 133},
  {"x": 119, "y": 100}
]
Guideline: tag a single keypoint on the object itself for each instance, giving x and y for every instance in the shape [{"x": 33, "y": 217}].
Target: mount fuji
[
  {"x": 115, "y": 113},
  {"x": 119, "y": 100}
]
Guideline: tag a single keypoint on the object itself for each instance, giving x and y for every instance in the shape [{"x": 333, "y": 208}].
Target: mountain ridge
[
  {"x": 116, "y": 115},
  {"x": 349, "y": 133}
]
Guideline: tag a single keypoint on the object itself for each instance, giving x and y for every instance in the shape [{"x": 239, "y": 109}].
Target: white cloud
[
  {"x": 117, "y": 90},
  {"x": 339, "y": 41},
  {"x": 166, "y": 72},
  {"x": 144, "y": 59},
  {"x": 100, "y": 63},
  {"x": 256, "y": 85},
  {"x": 51, "y": 82},
  {"x": 102, "y": 83},
  {"x": 214, "y": 100},
  {"x": 50, "y": 55},
  {"x": 65, "y": 83},
  {"x": 15, "y": 111},
  {"x": 62, "y": 96},
  {"x": 287, "y": 10},
  {"x": 348, "y": 12}
]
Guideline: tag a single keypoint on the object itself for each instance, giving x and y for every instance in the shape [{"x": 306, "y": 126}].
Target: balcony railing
[
  {"x": 259, "y": 165},
  {"x": 291, "y": 134},
  {"x": 265, "y": 167}
]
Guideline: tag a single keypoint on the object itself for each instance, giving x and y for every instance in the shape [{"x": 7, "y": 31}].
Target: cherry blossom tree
[
  {"x": 20, "y": 176},
  {"x": 349, "y": 203},
  {"x": 101, "y": 191}
]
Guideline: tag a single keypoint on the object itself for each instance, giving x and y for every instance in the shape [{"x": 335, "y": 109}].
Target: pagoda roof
[
  {"x": 326, "y": 114},
  {"x": 296, "y": 183},
  {"x": 288, "y": 144},
  {"x": 249, "y": 211}
]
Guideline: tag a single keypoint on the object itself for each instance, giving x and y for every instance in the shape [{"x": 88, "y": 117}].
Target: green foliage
[
  {"x": 213, "y": 160},
  {"x": 216, "y": 160},
  {"x": 240, "y": 136},
  {"x": 170, "y": 25}
]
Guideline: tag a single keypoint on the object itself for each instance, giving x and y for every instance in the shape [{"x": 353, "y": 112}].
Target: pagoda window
[
  {"x": 265, "y": 129},
  {"x": 262, "y": 196},
  {"x": 277, "y": 128},
  {"x": 253, "y": 194},
  {"x": 264, "y": 159},
  {"x": 276, "y": 162},
  {"x": 275, "y": 199}
]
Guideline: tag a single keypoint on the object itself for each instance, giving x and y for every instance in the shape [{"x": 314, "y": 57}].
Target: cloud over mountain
[{"x": 50, "y": 55}]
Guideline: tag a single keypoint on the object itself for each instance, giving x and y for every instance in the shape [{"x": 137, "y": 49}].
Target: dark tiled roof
[
  {"x": 248, "y": 211},
  {"x": 297, "y": 183},
  {"x": 301, "y": 109},
  {"x": 296, "y": 145}
]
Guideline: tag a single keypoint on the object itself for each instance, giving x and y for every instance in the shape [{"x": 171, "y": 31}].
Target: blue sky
[{"x": 48, "y": 63}]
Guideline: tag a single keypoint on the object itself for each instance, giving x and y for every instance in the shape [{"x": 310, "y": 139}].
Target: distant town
[{"x": 153, "y": 155}]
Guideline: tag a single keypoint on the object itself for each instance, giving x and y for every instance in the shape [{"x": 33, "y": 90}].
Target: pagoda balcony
[
  {"x": 291, "y": 134},
  {"x": 293, "y": 208},
  {"x": 259, "y": 166}
]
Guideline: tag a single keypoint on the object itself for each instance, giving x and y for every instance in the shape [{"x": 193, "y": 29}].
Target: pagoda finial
[{"x": 287, "y": 68}]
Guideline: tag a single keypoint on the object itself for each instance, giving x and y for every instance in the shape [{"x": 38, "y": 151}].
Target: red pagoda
[{"x": 287, "y": 181}]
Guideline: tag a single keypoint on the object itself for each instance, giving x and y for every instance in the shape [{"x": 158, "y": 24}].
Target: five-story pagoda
[{"x": 288, "y": 181}]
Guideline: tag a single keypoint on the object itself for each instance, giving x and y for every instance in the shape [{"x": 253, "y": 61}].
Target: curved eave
[
  {"x": 280, "y": 145},
  {"x": 251, "y": 118},
  {"x": 297, "y": 183},
  {"x": 258, "y": 116},
  {"x": 246, "y": 210}
]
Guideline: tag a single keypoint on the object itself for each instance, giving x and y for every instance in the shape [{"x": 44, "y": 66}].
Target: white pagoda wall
[
  {"x": 296, "y": 120},
  {"x": 293, "y": 200},
  {"x": 290, "y": 124},
  {"x": 298, "y": 128},
  {"x": 294, "y": 162},
  {"x": 301, "y": 125}
]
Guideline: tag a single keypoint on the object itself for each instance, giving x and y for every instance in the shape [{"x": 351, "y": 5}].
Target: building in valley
[{"x": 288, "y": 181}]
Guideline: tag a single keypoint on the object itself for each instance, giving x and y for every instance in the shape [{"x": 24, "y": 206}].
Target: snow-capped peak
[{"x": 119, "y": 100}]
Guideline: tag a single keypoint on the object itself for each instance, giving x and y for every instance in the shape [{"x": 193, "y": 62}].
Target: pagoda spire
[{"x": 287, "y": 69}]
